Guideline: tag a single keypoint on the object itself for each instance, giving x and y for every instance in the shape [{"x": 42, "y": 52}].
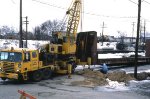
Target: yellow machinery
[
  {"x": 59, "y": 57},
  {"x": 74, "y": 17},
  {"x": 25, "y": 64},
  {"x": 63, "y": 47},
  {"x": 67, "y": 40},
  {"x": 21, "y": 64}
]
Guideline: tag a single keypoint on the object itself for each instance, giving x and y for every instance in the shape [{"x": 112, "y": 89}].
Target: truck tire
[
  {"x": 20, "y": 77},
  {"x": 73, "y": 67},
  {"x": 37, "y": 76},
  {"x": 47, "y": 74},
  {"x": 3, "y": 78}
]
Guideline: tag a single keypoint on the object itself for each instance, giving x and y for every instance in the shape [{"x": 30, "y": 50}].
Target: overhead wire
[
  {"x": 141, "y": 1},
  {"x": 146, "y": 2},
  {"x": 52, "y": 5},
  {"x": 133, "y": 2},
  {"x": 110, "y": 16},
  {"x": 13, "y": 1},
  {"x": 88, "y": 13}
]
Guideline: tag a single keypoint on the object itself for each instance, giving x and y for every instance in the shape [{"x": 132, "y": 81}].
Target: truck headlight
[
  {"x": 18, "y": 70},
  {"x": 1, "y": 69}
]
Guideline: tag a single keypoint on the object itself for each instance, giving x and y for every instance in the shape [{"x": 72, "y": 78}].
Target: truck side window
[
  {"x": 27, "y": 56},
  {"x": 34, "y": 55}
]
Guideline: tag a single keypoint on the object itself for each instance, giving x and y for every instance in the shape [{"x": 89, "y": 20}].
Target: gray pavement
[{"x": 60, "y": 87}]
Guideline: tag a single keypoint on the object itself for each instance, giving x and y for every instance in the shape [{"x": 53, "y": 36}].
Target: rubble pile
[
  {"x": 96, "y": 78},
  {"x": 141, "y": 76},
  {"x": 92, "y": 78},
  {"x": 120, "y": 76}
]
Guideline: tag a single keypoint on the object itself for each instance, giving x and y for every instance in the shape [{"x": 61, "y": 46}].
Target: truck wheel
[
  {"x": 3, "y": 78},
  {"x": 20, "y": 77},
  {"x": 47, "y": 74},
  {"x": 37, "y": 76}
]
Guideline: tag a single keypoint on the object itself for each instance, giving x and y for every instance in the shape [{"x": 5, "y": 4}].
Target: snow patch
[
  {"x": 112, "y": 86},
  {"x": 82, "y": 67}
]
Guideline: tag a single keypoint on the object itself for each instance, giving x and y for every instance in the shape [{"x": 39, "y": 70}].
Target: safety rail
[{"x": 25, "y": 95}]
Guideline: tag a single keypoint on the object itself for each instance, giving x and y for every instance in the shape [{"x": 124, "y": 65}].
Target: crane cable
[
  {"x": 65, "y": 18},
  {"x": 82, "y": 15}
]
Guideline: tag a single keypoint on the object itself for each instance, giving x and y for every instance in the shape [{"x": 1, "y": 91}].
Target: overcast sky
[{"x": 117, "y": 15}]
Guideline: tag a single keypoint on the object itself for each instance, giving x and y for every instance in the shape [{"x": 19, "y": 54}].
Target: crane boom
[
  {"x": 74, "y": 18},
  {"x": 68, "y": 39}
]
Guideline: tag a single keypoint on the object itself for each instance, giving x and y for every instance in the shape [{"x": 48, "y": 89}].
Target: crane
[
  {"x": 68, "y": 41},
  {"x": 59, "y": 57},
  {"x": 63, "y": 48},
  {"x": 74, "y": 18}
]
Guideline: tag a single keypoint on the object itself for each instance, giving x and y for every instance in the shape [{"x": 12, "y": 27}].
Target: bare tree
[
  {"x": 8, "y": 32},
  {"x": 121, "y": 44},
  {"x": 45, "y": 30},
  {"x": 122, "y": 36}
]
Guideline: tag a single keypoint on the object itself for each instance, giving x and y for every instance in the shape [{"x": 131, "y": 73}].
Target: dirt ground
[
  {"x": 78, "y": 87},
  {"x": 96, "y": 78},
  {"x": 81, "y": 85}
]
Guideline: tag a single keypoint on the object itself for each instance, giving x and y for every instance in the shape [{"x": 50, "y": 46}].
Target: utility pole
[
  {"x": 140, "y": 33},
  {"x": 26, "y": 22},
  {"x": 103, "y": 26},
  {"x": 20, "y": 29},
  {"x": 133, "y": 30},
  {"x": 137, "y": 38},
  {"x": 144, "y": 31}
]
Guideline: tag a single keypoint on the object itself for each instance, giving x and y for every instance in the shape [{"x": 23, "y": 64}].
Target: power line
[
  {"x": 146, "y": 2},
  {"x": 147, "y": 20},
  {"x": 141, "y": 1},
  {"x": 13, "y": 1},
  {"x": 133, "y": 2},
  {"x": 88, "y": 13},
  {"x": 110, "y": 16},
  {"x": 45, "y": 3}
]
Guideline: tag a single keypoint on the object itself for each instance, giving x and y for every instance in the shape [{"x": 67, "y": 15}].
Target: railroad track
[
  {"x": 99, "y": 51},
  {"x": 130, "y": 61}
]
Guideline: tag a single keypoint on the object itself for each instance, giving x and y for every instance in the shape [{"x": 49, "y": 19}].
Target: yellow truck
[
  {"x": 25, "y": 64},
  {"x": 38, "y": 64},
  {"x": 60, "y": 56}
]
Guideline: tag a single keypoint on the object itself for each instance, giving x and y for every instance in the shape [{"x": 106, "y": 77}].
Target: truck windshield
[{"x": 11, "y": 56}]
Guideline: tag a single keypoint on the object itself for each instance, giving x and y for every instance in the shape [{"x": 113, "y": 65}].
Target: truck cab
[
  {"x": 15, "y": 64},
  {"x": 24, "y": 64}
]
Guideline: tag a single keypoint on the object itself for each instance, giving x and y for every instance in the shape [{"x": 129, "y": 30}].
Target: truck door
[
  {"x": 34, "y": 60},
  {"x": 27, "y": 61}
]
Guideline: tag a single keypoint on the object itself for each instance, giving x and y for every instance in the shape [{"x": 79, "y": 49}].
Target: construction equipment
[
  {"x": 63, "y": 45},
  {"x": 25, "y": 64},
  {"x": 35, "y": 64},
  {"x": 59, "y": 57},
  {"x": 67, "y": 39},
  {"x": 86, "y": 50}
]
